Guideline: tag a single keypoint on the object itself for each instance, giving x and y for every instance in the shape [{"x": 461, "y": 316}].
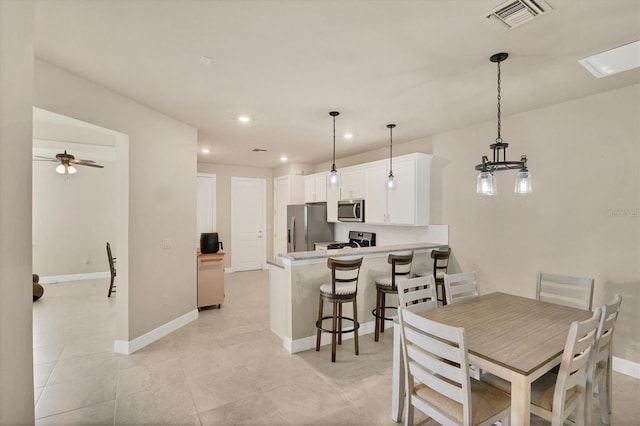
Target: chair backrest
[
  {"x": 440, "y": 261},
  {"x": 606, "y": 327},
  {"x": 461, "y": 286},
  {"x": 112, "y": 262},
  {"x": 417, "y": 294},
  {"x": 435, "y": 355},
  {"x": 578, "y": 352},
  {"x": 344, "y": 271},
  {"x": 400, "y": 265},
  {"x": 564, "y": 290}
]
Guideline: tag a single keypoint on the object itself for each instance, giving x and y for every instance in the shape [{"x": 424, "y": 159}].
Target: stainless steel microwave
[{"x": 351, "y": 211}]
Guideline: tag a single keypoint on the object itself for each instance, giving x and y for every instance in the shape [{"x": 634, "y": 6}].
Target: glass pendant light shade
[
  {"x": 523, "y": 182},
  {"x": 71, "y": 170},
  {"x": 334, "y": 180},
  {"x": 390, "y": 183},
  {"x": 486, "y": 184},
  {"x": 60, "y": 169}
]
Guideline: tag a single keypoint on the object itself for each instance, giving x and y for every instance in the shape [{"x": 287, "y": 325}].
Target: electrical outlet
[{"x": 167, "y": 243}]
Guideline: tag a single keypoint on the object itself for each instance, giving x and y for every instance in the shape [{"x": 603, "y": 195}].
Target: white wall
[
  {"x": 582, "y": 218},
  {"x": 16, "y": 95},
  {"x": 162, "y": 195},
  {"x": 73, "y": 218}
]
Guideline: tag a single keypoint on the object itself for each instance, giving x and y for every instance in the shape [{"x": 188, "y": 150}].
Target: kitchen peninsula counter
[{"x": 295, "y": 280}]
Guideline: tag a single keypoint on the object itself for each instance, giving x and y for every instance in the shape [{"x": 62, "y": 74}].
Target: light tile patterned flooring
[{"x": 225, "y": 368}]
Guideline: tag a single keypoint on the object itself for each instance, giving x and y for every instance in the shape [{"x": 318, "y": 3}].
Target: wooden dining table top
[{"x": 515, "y": 332}]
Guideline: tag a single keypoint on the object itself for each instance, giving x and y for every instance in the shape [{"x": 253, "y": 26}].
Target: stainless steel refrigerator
[{"x": 307, "y": 224}]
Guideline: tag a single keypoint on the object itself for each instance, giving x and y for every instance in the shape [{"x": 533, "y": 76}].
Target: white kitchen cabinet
[
  {"x": 333, "y": 195},
  {"x": 375, "y": 197},
  {"x": 352, "y": 183},
  {"x": 315, "y": 188},
  {"x": 408, "y": 204}
]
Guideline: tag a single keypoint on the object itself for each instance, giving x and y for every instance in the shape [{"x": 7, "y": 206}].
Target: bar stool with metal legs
[
  {"x": 440, "y": 265},
  {"x": 343, "y": 288},
  {"x": 400, "y": 269}
]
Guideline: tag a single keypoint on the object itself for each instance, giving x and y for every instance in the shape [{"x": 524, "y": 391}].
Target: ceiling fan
[{"x": 67, "y": 161}]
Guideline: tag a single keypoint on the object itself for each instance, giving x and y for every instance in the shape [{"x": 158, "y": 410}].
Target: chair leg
[
  {"x": 111, "y": 286},
  {"x": 604, "y": 393},
  {"x": 378, "y": 302},
  {"x": 339, "y": 323},
  {"x": 355, "y": 325},
  {"x": 383, "y": 312},
  {"x": 319, "y": 332},
  {"x": 408, "y": 417},
  {"x": 333, "y": 331}
]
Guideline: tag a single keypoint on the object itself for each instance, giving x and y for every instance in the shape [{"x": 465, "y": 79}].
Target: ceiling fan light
[
  {"x": 60, "y": 169},
  {"x": 523, "y": 182},
  {"x": 334, "y": 180},
  {"x": 486, "y": 184},
  {"x": 72, "y": 170}
]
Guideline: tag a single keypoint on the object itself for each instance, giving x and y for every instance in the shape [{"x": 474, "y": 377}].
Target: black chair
[
  {"x": 440, "y": 265},
  {"x": 112, "y": 267},
  {"x": 343, "y": 288}
]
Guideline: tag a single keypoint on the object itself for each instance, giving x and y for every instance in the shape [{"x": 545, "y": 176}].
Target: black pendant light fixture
[
  {"x": 391, "y": 182},
  {"x": 486, "y": 183},
  {"x": 333, "y": 178}
]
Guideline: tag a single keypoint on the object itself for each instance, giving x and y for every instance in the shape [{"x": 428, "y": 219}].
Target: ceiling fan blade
[
  {"x": 41, "y": 158},
  {"x": 45, "y": 159},
  {"x": 77, "y": 160},
  {"x": 82, "y": 163}
]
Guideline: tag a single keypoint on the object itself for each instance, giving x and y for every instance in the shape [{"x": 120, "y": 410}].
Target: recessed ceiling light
[
  {"x": 205, "y": 60},
  {"x": 284, "y": 158},
  {"x": 613, "y": 61},
  {"x": 205, "y": 150},
  {"x": 244, "y": 118},
  {"x": 348, "y": 135}
]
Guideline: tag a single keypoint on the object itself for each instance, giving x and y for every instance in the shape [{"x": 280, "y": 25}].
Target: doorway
[{"x": 248, "y": 223}]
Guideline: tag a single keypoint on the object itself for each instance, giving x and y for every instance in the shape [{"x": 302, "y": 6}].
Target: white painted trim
[
  {"x": 627, "y": 367},
  {"x": 127, "y": 348},
  {"x": 52, "y": 279},
  {"x": 306, "y": 343},
  {"x": 229, "y": 270}
]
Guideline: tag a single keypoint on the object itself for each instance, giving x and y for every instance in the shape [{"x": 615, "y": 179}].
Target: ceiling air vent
[{"x": 517, "y": 12}]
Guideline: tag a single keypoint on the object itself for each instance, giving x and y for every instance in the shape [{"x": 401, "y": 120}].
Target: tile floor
[{"x": 226, "y": 368}]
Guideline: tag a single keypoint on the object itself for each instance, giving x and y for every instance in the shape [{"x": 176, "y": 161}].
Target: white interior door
[
  {"x": 248, "y": 223},
  {"x": 206, "y": 205},
  {"x": 281, "y": 198}
]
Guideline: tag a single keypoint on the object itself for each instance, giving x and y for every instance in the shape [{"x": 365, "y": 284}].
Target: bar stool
[
  {"x": 440, "y": 265},
  {"x": 400, "y": 269},
  {"x": 343, "y": 288}
]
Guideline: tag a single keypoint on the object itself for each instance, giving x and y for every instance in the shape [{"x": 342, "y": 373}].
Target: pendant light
[
  {"x": 333, "y": 178},
  {"x": 486, "y": 182},
  {"x": 390, "y": 183}
]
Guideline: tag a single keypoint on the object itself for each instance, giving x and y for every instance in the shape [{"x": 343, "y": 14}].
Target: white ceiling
[{"x": 422, "y": 64}]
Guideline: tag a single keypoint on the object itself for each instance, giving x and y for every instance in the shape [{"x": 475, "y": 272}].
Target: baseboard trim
[
  {"x": 229, "y": 270},
  {"x": 52, "y": 279},
  {"x": 306, "y": 343},
  {"x": 627, "y": 367},
  {"x": 128, "y": 347}
]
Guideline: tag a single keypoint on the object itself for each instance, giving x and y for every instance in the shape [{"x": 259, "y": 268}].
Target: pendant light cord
[
  {"x": 499, "y": 138},
  {"x": 333, "y": 166},
  {"x": 390, "y": 151}
]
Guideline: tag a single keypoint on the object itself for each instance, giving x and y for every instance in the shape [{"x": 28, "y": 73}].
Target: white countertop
[{"x": 305, "y": 256}]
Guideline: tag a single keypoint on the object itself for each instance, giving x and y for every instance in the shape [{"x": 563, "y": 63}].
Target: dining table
[{"x": 515, "y": 338}]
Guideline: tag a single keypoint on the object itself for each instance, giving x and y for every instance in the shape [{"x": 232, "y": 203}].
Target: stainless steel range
[{"x": 356, "y": 239}]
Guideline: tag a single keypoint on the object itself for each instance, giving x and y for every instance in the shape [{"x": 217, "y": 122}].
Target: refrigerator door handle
[{"x": 291, "y": 233}]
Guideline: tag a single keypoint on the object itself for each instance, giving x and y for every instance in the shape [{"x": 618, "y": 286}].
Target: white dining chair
[
  {"x": 555, "y": 397},
  {"x": 460, "y": 286},
  {"x": 574, "y": 292},
  {"x": 599, "y": 374},
  {"x": 417, "y": 294},
  {"x": 437, "y": 379}
]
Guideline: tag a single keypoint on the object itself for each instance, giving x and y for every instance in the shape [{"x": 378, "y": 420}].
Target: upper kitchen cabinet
[
  {"x": 352, "y": 183},
  {"x": 408, "y": 204},
  {"x": 315, "y": 188}
]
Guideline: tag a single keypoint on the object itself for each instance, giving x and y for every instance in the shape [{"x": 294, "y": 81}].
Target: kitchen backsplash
[{"x": 389, "y": 235}]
